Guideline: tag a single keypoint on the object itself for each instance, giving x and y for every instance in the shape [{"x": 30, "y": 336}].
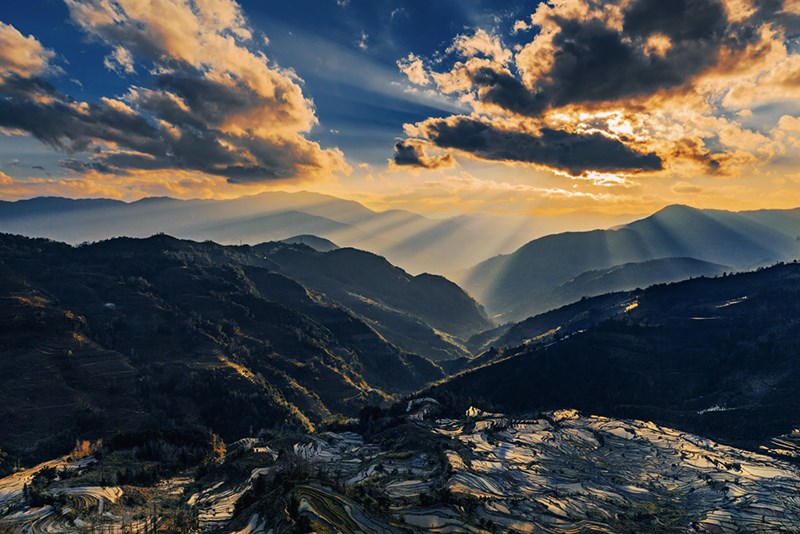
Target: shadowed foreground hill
[
  {"x": 143, "y": 333},
  {"x": 714, "y": 356}
]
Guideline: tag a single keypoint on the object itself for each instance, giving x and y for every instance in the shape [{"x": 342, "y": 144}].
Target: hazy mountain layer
[
  {"x": 416, "y": 243},
  {"x": 319, "y": 244},
  {"x": 549, "y": 271}
]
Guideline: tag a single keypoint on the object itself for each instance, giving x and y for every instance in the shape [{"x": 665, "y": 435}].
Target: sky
[{"x": 441, "y": 107}]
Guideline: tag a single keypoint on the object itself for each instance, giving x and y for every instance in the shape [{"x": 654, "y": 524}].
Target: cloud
[
  {"x": 361, "y": 43},
  {"x": 685, "y": 188},
  {"x": 412, "y": 153},
  {"x": 658, "y": 84},
  {"x": 75, "y": 126},
  {"x": 216, "y": 105},
  {"x": 570, "y": 152},
  {"x": 599, "y": 54},
  {"x": 789, "y": 123},
  {"x": 463, "y": 192},
  {"x": 414, "y": 69},
  {"x": 20, "y": 55},
  {"x": 480, "y": 43},
  {"x": 120, "y": 60},
  {"x": 138, "y": 183},
  {"x": 521, "y": 26}
]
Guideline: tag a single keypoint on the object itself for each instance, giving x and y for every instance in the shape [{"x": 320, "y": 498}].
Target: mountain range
[
  {"x": 301, "y": 386},
  {"x": 714, "y": 356},
  {"x": 557, "y": 269},
  {"x": 414, "y": 242},
  {"x": 135, "y": 333},
  {"x": 545, "y": 273}
]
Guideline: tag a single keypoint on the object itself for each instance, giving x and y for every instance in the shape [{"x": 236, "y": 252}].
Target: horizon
[
  {"x": 432, "y": 215},
  {"x": 387, "y": 106}
]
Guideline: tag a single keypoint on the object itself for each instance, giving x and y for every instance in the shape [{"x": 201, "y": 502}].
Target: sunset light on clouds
[{"x": 518, "y": 108}]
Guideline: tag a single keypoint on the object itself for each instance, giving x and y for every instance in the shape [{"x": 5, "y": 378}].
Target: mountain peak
[
  {"x": 320, "y": 244},
  {"x": 675, "y": 209}
]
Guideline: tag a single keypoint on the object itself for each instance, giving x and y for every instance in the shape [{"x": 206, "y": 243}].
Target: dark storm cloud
[
  {"x": 593, "y": 62},
  {"x": 598, "y": 64},
  {"x": 407, "y": 153},
  {"x": 83, "y": 166},
  {"x": 504, "y": 90},
  {"x": 14, "y": 85},
  {"x": 776, "y": 11},
  {"x": 595, "y": 56},
  {"x": 681, "y": 20},
  {"x": 574, "y": 153},
  {"x": 210, "y": 102},
  {"x": 411, "y": 153}
]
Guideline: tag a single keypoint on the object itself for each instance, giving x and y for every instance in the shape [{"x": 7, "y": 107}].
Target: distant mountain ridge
[
  {"x": 537, "y": 276},
  {"x": 415, "y": 242},
  {"x": 320, "y": 244}
]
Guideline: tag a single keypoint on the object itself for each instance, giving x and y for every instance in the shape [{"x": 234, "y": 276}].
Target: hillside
[
  {"x": 547, "y": 272},
  {"x": 630, "y": 276},
  {"x": 151, "y": 333},
  {"x": 218, "y": 378},
  {"x": 369, "y": 284},
  {"x": 713, "y": 356}
]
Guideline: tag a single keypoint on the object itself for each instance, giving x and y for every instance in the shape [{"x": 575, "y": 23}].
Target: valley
[
  {"x": 675, "y": 243},
  {"x": 299, "y": 386}
]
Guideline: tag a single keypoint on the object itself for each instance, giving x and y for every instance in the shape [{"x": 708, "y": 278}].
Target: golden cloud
[
  {"x": 218, "y": 107},
  {"x": 21, "y": 55},
  {"x": 655, "y": 77}
]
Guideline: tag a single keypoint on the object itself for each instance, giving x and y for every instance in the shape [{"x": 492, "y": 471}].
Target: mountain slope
[
  {"x": 521, "y": 284},
  {"x": 320, "y": 244},
  {"x": 360, "y": 278},
  {"x": 130, "y": 333},
  {"x": 713, "y": 356},
  {"x": 631, "y": 275},
  {"x": 425, "y": 314}
]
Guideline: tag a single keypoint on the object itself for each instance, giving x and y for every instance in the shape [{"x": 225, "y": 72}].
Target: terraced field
[
  {"x": 326, "y": 507},
  {"x": 11, "y": 487},
  {"x": 566, "y": 473},
  {"x": 77, "y": 508},
  {"x": 559, "y": 472}
]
